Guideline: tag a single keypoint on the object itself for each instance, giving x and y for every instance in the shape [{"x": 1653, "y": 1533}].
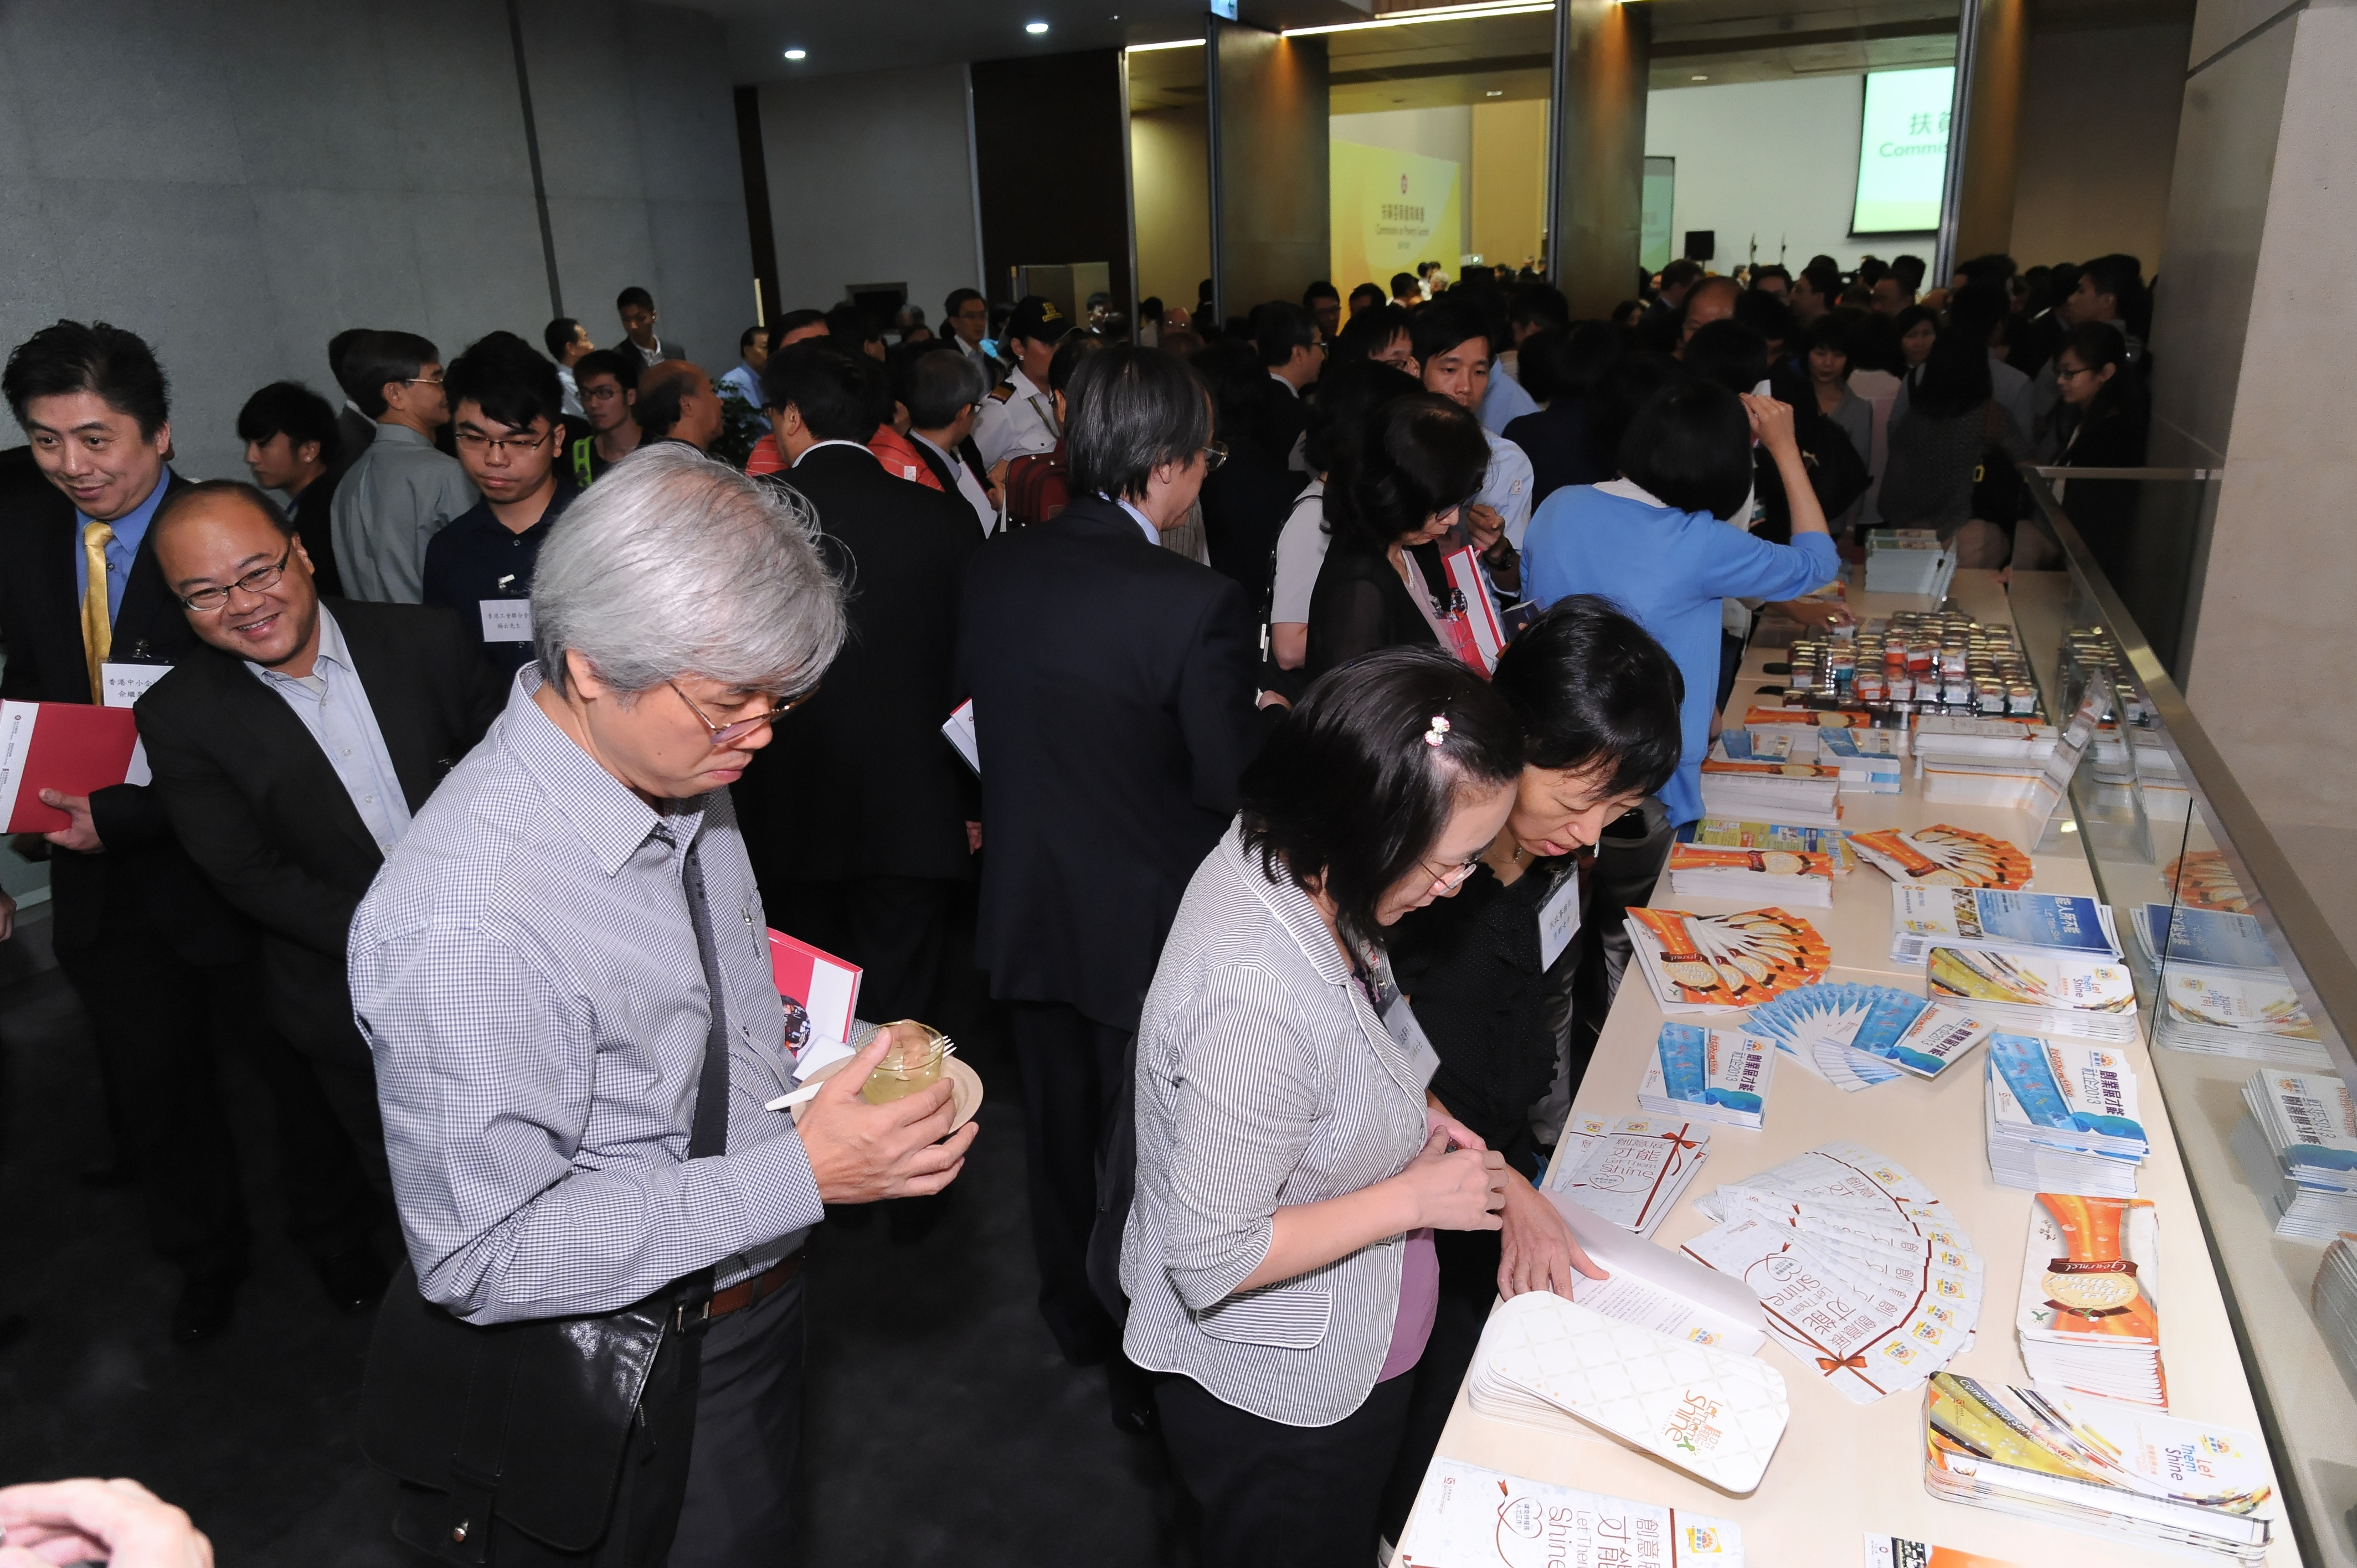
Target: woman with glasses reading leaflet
[
  {"x": 506, "y": 409},
  {"x": 1291, "y": 1171}
]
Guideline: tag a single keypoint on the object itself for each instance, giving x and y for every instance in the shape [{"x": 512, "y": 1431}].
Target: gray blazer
[{"x": 1265, "y": 1078}]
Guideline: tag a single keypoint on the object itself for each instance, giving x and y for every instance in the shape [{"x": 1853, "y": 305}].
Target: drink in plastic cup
[{"x": 911, "y": 1064}]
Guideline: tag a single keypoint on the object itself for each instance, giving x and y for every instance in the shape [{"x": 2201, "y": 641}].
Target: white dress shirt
[
  {"x": 334, "y": 706},
  {"x": 967, "y": 485}
]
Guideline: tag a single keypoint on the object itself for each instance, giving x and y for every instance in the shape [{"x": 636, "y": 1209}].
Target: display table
[{"x": 1844, "y": 1469}]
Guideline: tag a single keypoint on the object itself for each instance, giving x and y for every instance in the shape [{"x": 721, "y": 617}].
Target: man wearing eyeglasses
[
  {"x": 400, "y": 492},
  {"x": 505, "y": 405}
]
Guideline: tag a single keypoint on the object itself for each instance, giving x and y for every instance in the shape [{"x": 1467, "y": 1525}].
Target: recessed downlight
[
  {"x": 1035, "y": 29},
  {"x": 798, "y": 54}
]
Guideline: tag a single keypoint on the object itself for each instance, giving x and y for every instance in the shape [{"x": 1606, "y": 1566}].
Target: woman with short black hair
[
  {"x": 1946, "y": 418},
  {"x": 1382, "y": 585},
  {"x": 1279, "y": 1254},
  {"x": 2106, "y": 399}
]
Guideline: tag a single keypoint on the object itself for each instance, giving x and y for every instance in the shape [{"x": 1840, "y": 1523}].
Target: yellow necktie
[{"x": 97, "y": 626}]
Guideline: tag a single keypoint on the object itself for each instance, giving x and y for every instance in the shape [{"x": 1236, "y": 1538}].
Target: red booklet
[
  {"x": 67, "y": 747},
  {"x": 820, "y": 993}
]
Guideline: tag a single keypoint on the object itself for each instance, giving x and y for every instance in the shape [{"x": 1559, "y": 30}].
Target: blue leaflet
[
  {"x": 2216, "y": 937},
  {"x": 1683, "y": 1072},
  {"x": 2021, "y": 1061},
  {"x": 1892, "y": 1012}
]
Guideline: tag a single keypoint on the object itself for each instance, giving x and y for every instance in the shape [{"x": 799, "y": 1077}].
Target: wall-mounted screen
[{"x": 1902, "y": 151}]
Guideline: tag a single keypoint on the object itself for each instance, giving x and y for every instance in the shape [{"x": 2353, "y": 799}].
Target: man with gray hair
[
  {"x": 942, "y": 391},
  {"x": 563, "y": 977}
]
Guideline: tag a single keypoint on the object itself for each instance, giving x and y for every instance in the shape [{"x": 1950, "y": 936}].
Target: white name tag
[
  {"x": 1559, "y": 918},
  {"x": 125, "y": 683},
  {"x": 506, "y": 620},
  {"x": 1408, "y": 1035}
]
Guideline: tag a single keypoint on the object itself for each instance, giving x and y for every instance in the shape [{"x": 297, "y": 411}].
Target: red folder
[
  {"x": 67, "y": 747},
  {"x": 822, "y": 991}
]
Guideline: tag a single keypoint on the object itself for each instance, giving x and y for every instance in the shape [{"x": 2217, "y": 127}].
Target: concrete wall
[
  {"x": 1774, "y": 159},
  {"x": 871, "y": 181},
  {"x": 2096, "y": 142},
  {"x": 239, "y": 180}
]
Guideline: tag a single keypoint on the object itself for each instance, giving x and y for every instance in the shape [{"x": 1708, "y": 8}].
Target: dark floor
[{"x": 941, "y": 1424}]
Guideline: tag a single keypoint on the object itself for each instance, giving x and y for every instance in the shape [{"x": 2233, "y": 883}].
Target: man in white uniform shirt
[{"x": 1019, "y": 418}]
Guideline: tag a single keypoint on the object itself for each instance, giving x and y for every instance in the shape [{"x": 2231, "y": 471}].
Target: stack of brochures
[
  {"x": 1712, "y": 1412},
  {"x": 2036, "y": 924},
  {"x": 1633, "y": 1170},
  {"x": 2221, "y": 990},
  {"x": 1467, "y": 1516},
  {"x": 1772, "y": 774},
  {"x": 1867, "y": 1280},
  {"x": 2299, "y": 1146},
  {"x": 1854, "y": 1036},
  {"x": 1945, "y": 856},
  {"x": 1869, "y": 758},
  {"x": 1715, "y": 1075},
  {"x": 1909, "y": 561},
  {"x": 1728, "y": 833},
  {"x": 1951, "y": 737},
  {"x": 2040, "y": 995},
  {"x": 1717, "y": 962},
  {"x": 1786, "y": 875},
  {"x": 2334, "y": 1299},
  {"x": 2062, "y": 1116},
  {"x": 2088, "y": 1317},
  {"x": 1824, "y": 714},
  {"x": 2046, "y": 1453}
]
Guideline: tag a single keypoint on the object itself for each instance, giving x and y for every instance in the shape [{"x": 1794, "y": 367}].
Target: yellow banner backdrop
[{"x": 1393, "y": 209}]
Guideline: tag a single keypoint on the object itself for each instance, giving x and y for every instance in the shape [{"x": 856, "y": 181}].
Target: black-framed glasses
[
  {"x": 261, "y": 580},
  {"x": 1213, "y": 455},
  {"x": 476, "y": 441},
  {"x": 723, "y": 733}
]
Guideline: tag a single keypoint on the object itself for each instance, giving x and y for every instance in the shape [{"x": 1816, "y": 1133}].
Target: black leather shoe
[
  {"x": 115, "y": 1172},
  {"x": 207, "y": 1301},
  {"x": 354, "y": 1281}
]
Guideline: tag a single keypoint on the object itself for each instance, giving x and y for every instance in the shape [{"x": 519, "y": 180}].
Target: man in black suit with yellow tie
[{"x": 163, "y": 969}]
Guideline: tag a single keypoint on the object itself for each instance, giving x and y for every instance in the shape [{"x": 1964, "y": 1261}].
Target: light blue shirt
[
  {"x": 1153, "y": 534},
  {"x": 122, "y": 550},
  {"x": 1669, "y": 570},
  {"x": 334, "y": 706},
  {"x": 746, "y": 383},
  {"x": 1504, "y": 401}
]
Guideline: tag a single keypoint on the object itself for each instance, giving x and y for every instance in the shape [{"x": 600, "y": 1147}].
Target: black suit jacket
[
  {"x": 859, "y": 780},
  {"x": 262, "y": 812},
  {"x": 1562, "y": 447},
  {"x": 1113, "y": 686},
  {"x": 310, "y": 514},
  {"x": 140, "y": 887}
]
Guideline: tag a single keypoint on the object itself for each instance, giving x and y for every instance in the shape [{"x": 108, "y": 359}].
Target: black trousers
[
  {"x": 1072, "y": 1068},
  {"x": 894, "y": 928},
  {"x": 333, "y": 1059},
  {"x": 1286, "y": 1496},
  {"x": 161, "y": 1034}
]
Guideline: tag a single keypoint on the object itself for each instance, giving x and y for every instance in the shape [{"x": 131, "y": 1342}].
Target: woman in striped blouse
[{"x": 1279, "y": 1255}]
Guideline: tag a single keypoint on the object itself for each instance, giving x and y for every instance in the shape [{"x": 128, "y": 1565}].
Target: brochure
[
  {"x": 1717, "y": 1075},
  {"x": 1945, "y": 856},
  {"x": 1721, "y": 961},
  {"x": 1467, "y": 1516},
  {"x": 1728, "y": 832},
  {"x": 1633, "y": 1174},
  {"x": 1924, "y": 917}
]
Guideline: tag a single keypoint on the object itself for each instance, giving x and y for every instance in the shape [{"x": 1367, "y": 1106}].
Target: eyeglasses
[
  {"x": 1213, "y": 455},
  {"x": 476, "y": 441},
  {"x": 723, "y": 733},
  {"x": 1450, "y": 880},
  {"x": 421, "y": 382},
  {"x": 261, "y": 580}
]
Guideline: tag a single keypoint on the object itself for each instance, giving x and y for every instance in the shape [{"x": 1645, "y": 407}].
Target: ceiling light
[
  {"x": 1700, "y": 79},
  {"x": 1439, "y": 13},
  {"x": 1035, "y": 29},
  {"x": 798, "y": 54},
  {"x": 1495, "y": 92},
  {"x": 1173, "y": 44}
]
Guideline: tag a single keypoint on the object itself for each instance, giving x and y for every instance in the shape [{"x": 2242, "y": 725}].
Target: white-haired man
[{"x": 564, "y": 975}]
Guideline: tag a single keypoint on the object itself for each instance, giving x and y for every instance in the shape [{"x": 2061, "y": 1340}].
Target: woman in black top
[
  {"x": 1423, "y": 458},
  {"x": 2091, "y": 372},
  {"x": 1598, "y": 701},
  {"x": 1945, "y": 420}
]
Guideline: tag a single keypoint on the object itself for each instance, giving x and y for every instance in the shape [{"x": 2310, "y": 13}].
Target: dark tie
[{"x": 709, "y": 1133}]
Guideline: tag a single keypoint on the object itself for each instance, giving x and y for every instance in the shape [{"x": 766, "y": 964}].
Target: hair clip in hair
[{"x": 1438, "y": 731}]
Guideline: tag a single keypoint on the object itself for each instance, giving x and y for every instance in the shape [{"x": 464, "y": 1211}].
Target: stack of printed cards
[
  {"x": 1856, "y": 1036},
  {"x": 2334, "y": 1299},
  {"x": 2089, "y": 1316},
  {"x": 1467, "y": 1516},
  {"x": 1869, "y": 758},
  {"x": 2121, "y": 1470},
  {"x": 1727, "y": 832},
  {"x": 1770, "y": 776},
  {"x": 2063, "y": 1117},
  {"x": 1866, "y": 1279},
  {"x": 1942, "y": 857},
  {"x": 1909, "y": 561},
  {"x": 2298, "y": 1145},
  {"x": 2036, "y": 995},
  {"x": 1898, "y": 1551},
  {"x": 1632, "y": 1171},
  {"x": 1710, "y": 1412},
  {"x": 1716, "y": 1075},
  {"x": 1789, "y": 876},
  {"x": 1923, "y": 918},
  {"x": 1717, "y": 962},
  {"x": 1942, "y": 736},
  {"x": 2202, "y": 880}
]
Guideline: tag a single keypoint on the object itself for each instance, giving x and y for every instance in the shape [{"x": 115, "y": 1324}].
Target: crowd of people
[{"x": 495, "y": 720}]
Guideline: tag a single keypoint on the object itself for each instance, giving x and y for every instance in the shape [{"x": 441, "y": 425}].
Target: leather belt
[{"x": 743, "y": 1293}]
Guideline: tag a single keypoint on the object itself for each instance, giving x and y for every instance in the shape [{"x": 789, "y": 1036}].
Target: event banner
[
  {"x": 1902, "y": 151},
  {"x": 1392, "y": 211}
]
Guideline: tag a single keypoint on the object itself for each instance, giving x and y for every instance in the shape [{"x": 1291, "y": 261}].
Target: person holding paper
[
  {"x": 1278, "y": 1254},
  {"x": 292, "y": 751},
  {"x": 506, "y": 406},
  {"x": 564, "y": 975}
]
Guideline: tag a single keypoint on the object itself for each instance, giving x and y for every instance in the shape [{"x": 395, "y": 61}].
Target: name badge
[
  {"x": 506, "y": 620},
  {"x": 123, "y": 684},
  {"x": 1409, "y": 1037},
  {"x": 1559, "y": 918}
]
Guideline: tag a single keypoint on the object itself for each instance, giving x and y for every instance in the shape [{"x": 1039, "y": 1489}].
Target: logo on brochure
[{"x": 1690, "y": 1427}]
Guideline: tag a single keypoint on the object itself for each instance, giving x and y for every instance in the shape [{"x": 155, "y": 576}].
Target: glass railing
[{"x": 2244, "y": 979}]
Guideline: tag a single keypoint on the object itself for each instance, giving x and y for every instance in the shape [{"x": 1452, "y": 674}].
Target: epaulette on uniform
[{"x": 1002, "y": 391}]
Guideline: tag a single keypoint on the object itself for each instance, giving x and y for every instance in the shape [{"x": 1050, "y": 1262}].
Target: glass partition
[{"x": 2241, "y": 974}]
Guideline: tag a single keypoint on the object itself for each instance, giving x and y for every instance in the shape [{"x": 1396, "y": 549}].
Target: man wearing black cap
[{"x": 1018, "y": 417}]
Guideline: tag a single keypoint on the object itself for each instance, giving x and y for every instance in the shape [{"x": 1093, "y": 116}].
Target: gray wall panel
[{"x": 157, "y": 55}]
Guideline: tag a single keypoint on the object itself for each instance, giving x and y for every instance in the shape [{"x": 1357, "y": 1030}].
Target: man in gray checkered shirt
[{"x": 568, "y": 940}]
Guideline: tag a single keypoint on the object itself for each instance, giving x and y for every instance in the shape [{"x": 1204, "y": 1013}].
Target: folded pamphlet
[
  {"x": 1633, "y": 1170},
  {"x": 1727, "y": 832},
  {"x": 1706, "y": 962},
  {"x": 1467, "y": 1516},
  {"x": 2299, "y": 1146},
  {"x": 1716, "y": 1075},
  {"x": 2036, "y": 995},
  {"x": 1945, "y": 856},
  {"x": 2089, "y": 1312},
  {"x": 2062, "y": 1116},
  {"x": 1923, "y": 918},
  {"x": 1788, "y": 876}
]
